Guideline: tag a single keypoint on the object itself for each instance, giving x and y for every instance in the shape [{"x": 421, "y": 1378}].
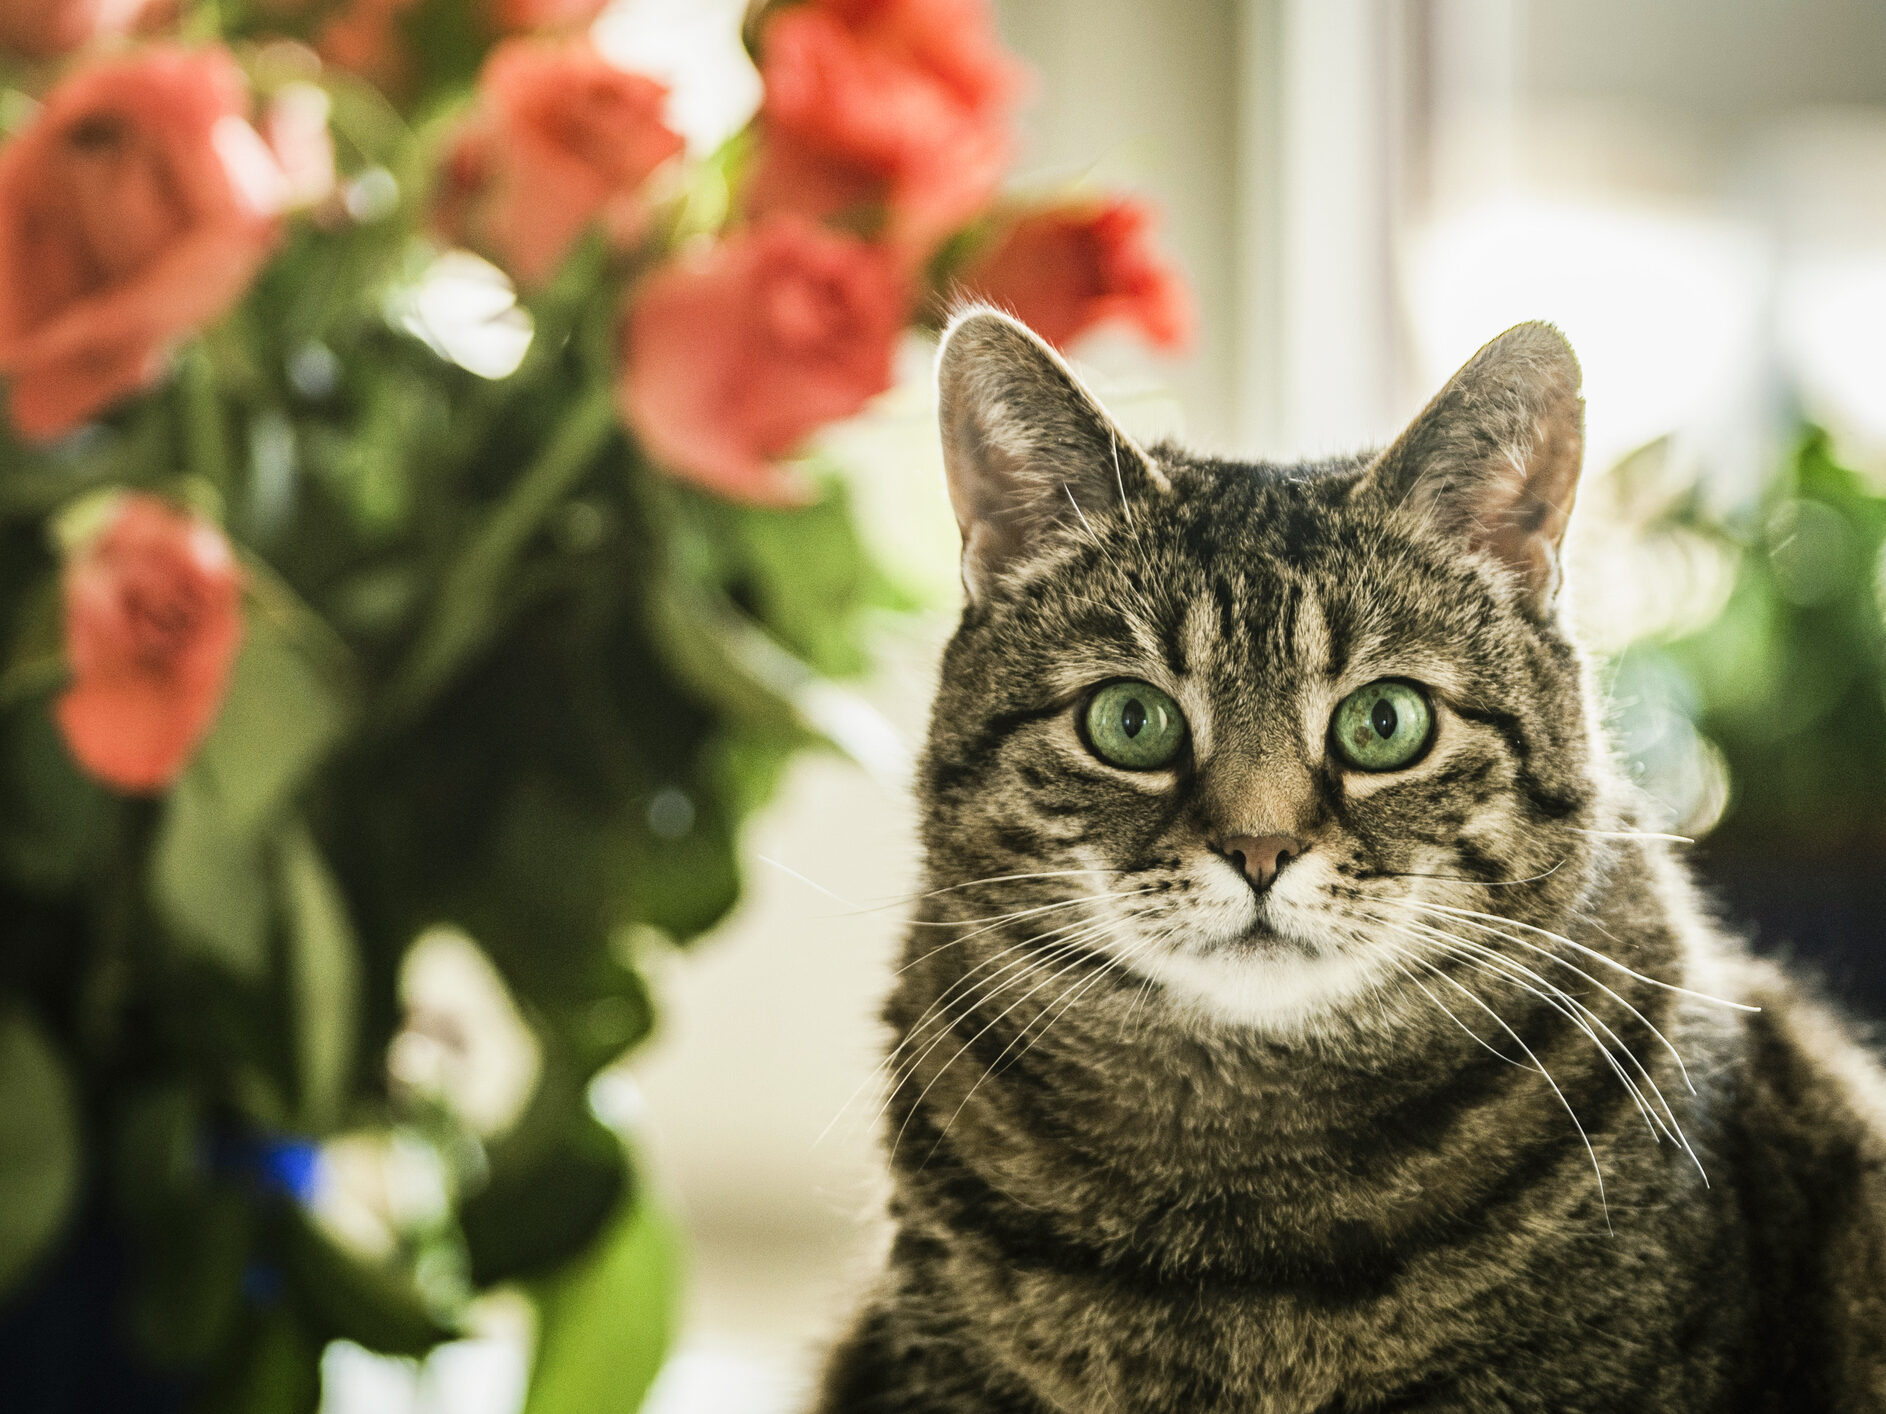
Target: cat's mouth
[{"x": 1263, "y": 939}]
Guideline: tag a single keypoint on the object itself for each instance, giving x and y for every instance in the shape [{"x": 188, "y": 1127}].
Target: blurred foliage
[
  {"x": 1785, "y": 687},
  {"x": 497, "y": 674}
]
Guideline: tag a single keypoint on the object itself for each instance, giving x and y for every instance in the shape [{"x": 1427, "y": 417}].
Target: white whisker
[{"x": 1597, "y": 1172}]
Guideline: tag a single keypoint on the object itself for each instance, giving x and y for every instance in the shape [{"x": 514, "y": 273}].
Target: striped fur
[{"x": 1424, "y": 1141}]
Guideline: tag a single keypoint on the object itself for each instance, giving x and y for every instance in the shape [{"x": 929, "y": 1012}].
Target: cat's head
[{"x": 1267, "y": 723}]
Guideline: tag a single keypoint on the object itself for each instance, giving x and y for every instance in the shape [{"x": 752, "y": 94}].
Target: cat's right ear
[
  {"x": 1026, "y": 447},
  {"x": 1494, "y": 459}
]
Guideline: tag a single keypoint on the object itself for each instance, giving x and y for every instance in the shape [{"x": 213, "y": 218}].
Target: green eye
[
  {"x": 1384, "y": 726},
  {"x": 1135, "y": 726}
]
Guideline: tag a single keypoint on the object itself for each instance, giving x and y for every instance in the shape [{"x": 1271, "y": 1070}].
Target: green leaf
[
  {"x": 605, "y": 1322},
  {"x": 277, "y": 1368},
  {"x": 209, "y": 880},
  {"x": 36, "y": 662},
  {"x": 39, "y": 1146},
  {"x": 285, "y": 709},
  {"x": 348, "y": 1298},
  {"x": 465, "y": 612},
  {"x": 807, "y": 577},
  {"x": 210, "y": 877},
  {"x": 187, "y": 1295},
  {"x": 193, "y": 1239},
  {"x": 323, "y": 978},
  {"x": 555, "y": 1179},
  {"x": 53, "y": 818}
]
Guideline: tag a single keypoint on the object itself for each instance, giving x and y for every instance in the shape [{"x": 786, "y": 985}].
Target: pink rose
[
  {"x": 734, "y": 353},
  {"x": 41, "y": 29},
  {"x": 563, "y": 138},
  {"x": 153, "y": 619},
  {"x": 898, "y": 105},
  {"x": 513, "y": 16},
  {"x": 1063, "y": 269},
  {"x": 134, "y": 209},
  {"x": 364, "y": 38}
]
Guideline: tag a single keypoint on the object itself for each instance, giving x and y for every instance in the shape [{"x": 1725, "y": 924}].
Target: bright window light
[
  {"x": 694, "y": 47},
  {"x": 1665, "y": 309}
]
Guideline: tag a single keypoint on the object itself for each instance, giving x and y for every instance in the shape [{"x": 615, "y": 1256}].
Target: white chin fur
[{"x": 1277, "y": 990}]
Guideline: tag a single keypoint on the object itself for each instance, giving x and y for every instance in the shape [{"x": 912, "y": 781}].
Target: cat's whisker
[
  {"x": 1121, "y": 962},
  {"x": 1463, "y": 879},
  {"x": 861, "y": 910},
  {"x": 998, "y": 919},
  {"x": 1593, "y": 954},
  {"x": 1119, "y": 478},
  {"x": 1495, "y": 964},
  {"x": 1135, "y": 1007},
  {"x": 1633, "y": 835},
  {"x": 1571, "y": 966},
  {"x": 1053, "y": 1012},
  {"x": 1081, "y": 956},
  {"x": 903, "y": 1061},
  {"x": 1395, "y": 955},
  {"x": 935, "y": 1011},
  {"x": 968, "y": 937},
  {"x": 938, "y": 1014},
  {"x": 1667, "y": 1121},
  {"x": 968, "y": 983},
  {"x": 810, "y": 883},
  {"x": 1518, "y": 1040},
  {"x": 1007, "y": 879}
]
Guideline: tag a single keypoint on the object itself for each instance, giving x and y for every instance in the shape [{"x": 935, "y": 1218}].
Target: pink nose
[{"x": 1261, "y": 857}]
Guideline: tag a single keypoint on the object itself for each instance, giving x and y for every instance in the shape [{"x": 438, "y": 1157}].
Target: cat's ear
[
  {"x": 1495, "y": 457},
  {"x": 1026, "y": 447}
]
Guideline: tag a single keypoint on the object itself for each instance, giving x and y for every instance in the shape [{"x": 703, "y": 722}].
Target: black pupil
[
  {"x": 1382, "y": 717},
  {"x": 1133, "y": 716}
]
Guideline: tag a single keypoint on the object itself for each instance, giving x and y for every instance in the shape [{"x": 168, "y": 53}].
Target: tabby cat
[{"x": 1296, "y": 1016}]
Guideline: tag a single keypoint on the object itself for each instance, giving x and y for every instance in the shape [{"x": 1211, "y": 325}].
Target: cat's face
[{"x": 1270, "y": 723}]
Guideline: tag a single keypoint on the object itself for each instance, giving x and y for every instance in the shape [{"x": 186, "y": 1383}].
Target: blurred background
[{"x": 1362, "y": 192}]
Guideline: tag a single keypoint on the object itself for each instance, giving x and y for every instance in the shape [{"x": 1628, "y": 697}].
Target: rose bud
[
  {"x": 44, "y": 29},
  {"x": 515, "y": 16},
  {"x": 734, "y": 353},
  {"x": 563, "y": 138},
  {"x": 1064, "y": 269},
  {"x": 152, "y": 623},
  {"x": 363, "y": 37},
  {"x": 134, "y": 209},
  {"x": 895, "y": 106}
]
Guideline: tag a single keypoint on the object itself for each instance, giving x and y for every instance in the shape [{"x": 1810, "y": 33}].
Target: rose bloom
[
  {"x": 134, "y": 209},
  {"x": 564, "y": 138},
  {"x": 512, "y": 16},
  {"x": 898, "y": 104},
  {"x": 152, "y": 623},
  {"x": 734, "y": 353},
  {"x": 1063, "y": 269},
  {"x": 41, "y": 29},
  {"x": 364, "y": 38}
]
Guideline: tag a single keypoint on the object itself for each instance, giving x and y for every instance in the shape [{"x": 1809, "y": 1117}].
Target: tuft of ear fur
[
  {"x": 1495, "y": 457},
  {"x": 1027, "y": 448}
]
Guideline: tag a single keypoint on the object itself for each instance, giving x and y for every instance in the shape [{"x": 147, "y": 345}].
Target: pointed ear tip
[
  {"x": 1545, "y": 346},
  {"x": 974, "y": 328},
  {"x": 982, "y": 346}
]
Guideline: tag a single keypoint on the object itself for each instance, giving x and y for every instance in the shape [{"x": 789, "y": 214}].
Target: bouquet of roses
[{"x": 414, "y": 533}]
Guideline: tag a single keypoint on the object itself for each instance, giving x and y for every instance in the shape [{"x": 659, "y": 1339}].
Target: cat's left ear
[
  {"x": 1028, "y": 450},
  {"x": 1495, "y": 457}
]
